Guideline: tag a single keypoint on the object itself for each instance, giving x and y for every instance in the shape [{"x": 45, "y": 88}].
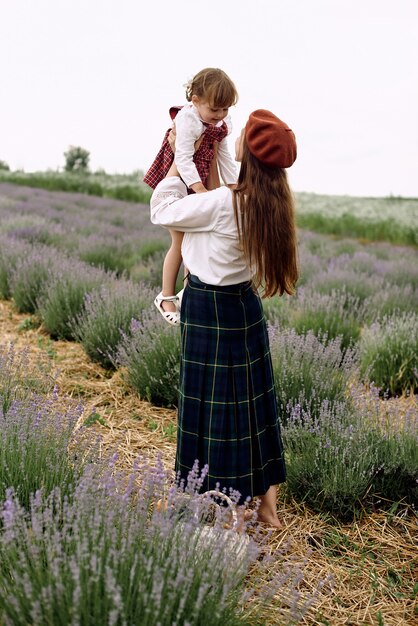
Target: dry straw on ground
[{"x": 373, "y": 562}]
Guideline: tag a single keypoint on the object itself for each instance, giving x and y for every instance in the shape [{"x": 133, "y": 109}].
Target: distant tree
[
  {"x": 76, "y": 159},
  {"x": 4, "y": 166}
]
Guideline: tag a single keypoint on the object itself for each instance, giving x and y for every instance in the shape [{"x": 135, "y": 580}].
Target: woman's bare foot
[
  {"x": 267, "y": 511},
  {"x": 271, "y": 520}
]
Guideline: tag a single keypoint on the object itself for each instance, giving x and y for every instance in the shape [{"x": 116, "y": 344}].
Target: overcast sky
[{"x": 103, "y": 73}]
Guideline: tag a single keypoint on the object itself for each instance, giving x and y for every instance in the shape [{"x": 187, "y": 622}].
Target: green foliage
[
  {"x": 76, "y": 159},
  {"x": 83, "y": 182},
  {"x": 349, "y": 225},
  {"x": 4, "y": 166},
  {"x": 388, "y": 353},
  {"x": 29, "y": 323},
  {"x": 129, "y": 193},
  {"x": 390, "y": 219},
  {"x": 150, "y": 247}
]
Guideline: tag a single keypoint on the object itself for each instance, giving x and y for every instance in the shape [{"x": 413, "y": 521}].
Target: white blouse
[
  {"x": 210, "y": 247},
  {"x": 189, "y": 127}
]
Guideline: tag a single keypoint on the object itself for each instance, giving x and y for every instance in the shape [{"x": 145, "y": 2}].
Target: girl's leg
[
  {"x": 172, "y": 263},
  {"x": 267, "y": 511}
]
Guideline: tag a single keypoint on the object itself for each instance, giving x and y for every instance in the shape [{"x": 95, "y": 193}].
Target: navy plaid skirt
[{"x": 228, "y": 415}]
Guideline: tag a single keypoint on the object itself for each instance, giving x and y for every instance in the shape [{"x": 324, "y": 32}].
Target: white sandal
[
  {"x": 172, "y": 317},
  {"x": 180, "y": 298}
]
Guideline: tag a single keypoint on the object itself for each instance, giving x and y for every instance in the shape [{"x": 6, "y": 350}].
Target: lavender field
[{"x": 344, "y": 351}]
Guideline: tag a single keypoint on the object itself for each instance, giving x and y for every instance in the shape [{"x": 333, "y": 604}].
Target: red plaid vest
[{"x": 202, "y": 157}]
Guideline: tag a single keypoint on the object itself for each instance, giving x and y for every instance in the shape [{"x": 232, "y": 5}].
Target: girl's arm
[
  {"x": 173, "y": 208},
  {"x": 188, "y": 131}
]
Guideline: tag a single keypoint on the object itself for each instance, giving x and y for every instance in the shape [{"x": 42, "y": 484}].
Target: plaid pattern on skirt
[
  {"x": 228, "y": 414},
  {"x": 202, "y": 157}
]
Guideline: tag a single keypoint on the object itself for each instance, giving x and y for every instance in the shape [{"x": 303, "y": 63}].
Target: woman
[{"x": 237, "y": 242}]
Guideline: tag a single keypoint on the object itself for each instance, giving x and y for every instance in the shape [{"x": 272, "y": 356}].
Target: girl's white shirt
[
  {"x": 189, "y": 127},
  {"x": 210, "y": 247}
]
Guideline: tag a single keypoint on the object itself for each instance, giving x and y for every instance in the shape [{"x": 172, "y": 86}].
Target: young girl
[
  {"x": 235, "y": 241},
  {"x": 201, "y": 130}
]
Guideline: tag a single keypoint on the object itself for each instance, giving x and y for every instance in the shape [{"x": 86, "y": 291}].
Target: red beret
[{"x": 270, "y": 140}]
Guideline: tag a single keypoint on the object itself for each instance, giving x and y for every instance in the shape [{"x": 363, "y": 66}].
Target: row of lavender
[
  {"x": 115, "y": 235},
  {"x": 81, "y": 543},
  {"x": 346, "y": 288},
  {"x": 390, "y": 218},
  {"x": 362, "y": 297},
  {"x": 365, "y": 300}
]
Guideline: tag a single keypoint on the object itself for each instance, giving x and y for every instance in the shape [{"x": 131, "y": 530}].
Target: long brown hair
[{"x": 265, "y": 216}]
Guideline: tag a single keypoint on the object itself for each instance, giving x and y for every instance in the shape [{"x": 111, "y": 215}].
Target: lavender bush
[
  {"x": 339, "y": 314},
  {"x": 68, "y": 284},
  {"x": 106, "y": 555},
  {"x": 388, "y": 353},
  {"x": 34, "y": 437},
  {"x": 350, "y": 454},
  {"x": 114, "y": 254},
  {"x": 393, "y": 299},
  {"x": 400, "y": 271},
  {"x": 20, "y": 376},
  {"x": 29, "y": 277},
  {"x": 331, "y": 459},
  {"x": 309, "y": 371},
  {"x": 107, "y": 314},
  {"x": 396, "y": 446},
  {"x": 11, "y": 251},
  {"x": 149, "y": 270},
  {"x": 32, "y": 228},
  {"x": 151, "y": 355},
  {"x": 358, "y": 285}
]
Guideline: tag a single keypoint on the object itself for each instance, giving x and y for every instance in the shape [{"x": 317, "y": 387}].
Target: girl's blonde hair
[
  {"x": 214, "y": 87},
  {"x": 265, "y": 215}
]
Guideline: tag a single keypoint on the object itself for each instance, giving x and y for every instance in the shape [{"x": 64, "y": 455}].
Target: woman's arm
[
  {"x": 173, "y": 208},
  {"x": 227, "y": 166}
]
